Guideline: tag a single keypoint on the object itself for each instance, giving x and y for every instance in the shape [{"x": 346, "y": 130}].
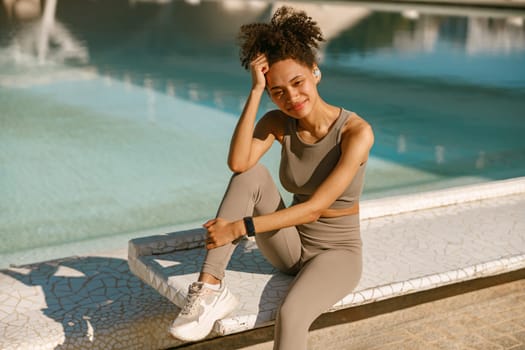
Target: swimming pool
[{"x": 115, "y": 117}]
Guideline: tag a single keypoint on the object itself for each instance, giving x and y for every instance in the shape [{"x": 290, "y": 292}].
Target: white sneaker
[{"x": 203, "y": 307}]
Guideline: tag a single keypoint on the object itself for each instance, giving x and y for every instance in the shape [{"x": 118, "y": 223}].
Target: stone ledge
[
  {"x": 393, "y": 205},
  {"x": 429, "y": 240}
]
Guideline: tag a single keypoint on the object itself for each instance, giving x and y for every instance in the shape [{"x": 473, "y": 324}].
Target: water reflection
[
  {"x": 411, "y": 31},
  {"x": 165, "y": 35},
  {"x": 23, "y": 10},
  {"x": 113, "y": 96},
  {"x": 187, "y": 50},
  {"x": 42, "y": 37},
  {"x": 488, "y": 35}
]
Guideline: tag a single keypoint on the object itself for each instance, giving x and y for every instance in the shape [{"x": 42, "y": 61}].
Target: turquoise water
[{"x": 115, "y": 120}]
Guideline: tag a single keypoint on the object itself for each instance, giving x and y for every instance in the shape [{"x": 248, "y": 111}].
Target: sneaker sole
[{"x": 229, "y": 303}]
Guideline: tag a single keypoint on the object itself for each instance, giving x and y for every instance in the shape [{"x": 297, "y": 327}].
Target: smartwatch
[{"x": 248, "y": 224}]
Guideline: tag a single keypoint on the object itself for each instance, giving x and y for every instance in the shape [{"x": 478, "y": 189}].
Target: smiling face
[{"x": 292, "y": 87}]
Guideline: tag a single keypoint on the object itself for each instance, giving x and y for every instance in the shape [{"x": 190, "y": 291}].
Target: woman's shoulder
[
  {"x": 276, "y": 116},
  {"x": 277, "y": 122},
  {"x": 357, "y": 126}
]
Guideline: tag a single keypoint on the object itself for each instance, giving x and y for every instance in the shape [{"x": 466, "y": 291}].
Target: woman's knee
[
  {"x": 256, "y": 173},
  {"x": 249, "y": 182}
]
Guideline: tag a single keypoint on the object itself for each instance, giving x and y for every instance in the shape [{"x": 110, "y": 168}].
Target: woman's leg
[
  {"x": 254, "y": 192},
  {"x": 251, "y": 192},
  {"x": 324, "y": 280}
]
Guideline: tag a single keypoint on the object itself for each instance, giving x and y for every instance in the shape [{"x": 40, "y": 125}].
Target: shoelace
[{"x": 194, "y": 294}]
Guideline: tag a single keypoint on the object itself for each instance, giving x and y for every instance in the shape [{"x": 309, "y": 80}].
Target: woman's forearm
[
  {"x": 240, "y": 145},
  {"x": 295, "y": 215},
  {"x": 292, "y": 216}
]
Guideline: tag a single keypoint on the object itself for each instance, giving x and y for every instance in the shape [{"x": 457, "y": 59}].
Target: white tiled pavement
[{"x": 95, "y": 302}]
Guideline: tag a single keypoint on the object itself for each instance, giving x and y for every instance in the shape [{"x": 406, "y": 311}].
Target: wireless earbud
[{"x": 316, "y": 73}]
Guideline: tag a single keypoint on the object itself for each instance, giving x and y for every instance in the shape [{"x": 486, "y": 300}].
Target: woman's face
[{"x": 292, "y": 87}]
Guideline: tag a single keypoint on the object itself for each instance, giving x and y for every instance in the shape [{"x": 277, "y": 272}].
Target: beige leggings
[{"x": 325, "y": 256}]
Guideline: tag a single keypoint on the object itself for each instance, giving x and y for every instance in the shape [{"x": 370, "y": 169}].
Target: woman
[{"x": 324, "y": 152}]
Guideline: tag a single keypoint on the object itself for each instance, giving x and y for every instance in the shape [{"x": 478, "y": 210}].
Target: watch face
[{"x": 250, "y": 228}]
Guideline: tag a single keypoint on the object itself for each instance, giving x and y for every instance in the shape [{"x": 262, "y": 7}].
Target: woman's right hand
[{"x": 259, "y": 67}]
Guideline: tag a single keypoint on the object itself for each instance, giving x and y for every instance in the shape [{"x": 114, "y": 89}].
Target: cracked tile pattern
[
  {"x": 98, "y": 302},
  {"x": 81, "y": 303}
]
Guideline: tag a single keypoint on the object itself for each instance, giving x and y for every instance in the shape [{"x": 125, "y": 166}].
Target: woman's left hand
[{"x": 220, "y": 232}]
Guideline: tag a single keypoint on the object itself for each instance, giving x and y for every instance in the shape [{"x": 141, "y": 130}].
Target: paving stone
[
  {"x": 520, "y": 336},
  {"x": 419, "y": 329},
  {"x": 506, "y": 342},
  {"x": 431, "y": 335}
]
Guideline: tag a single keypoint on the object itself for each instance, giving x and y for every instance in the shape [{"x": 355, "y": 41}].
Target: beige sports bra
[{"x": 305, "y": 166}]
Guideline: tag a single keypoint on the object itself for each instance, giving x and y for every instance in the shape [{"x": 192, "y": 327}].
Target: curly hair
[{"x": 290, "y": 34}]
